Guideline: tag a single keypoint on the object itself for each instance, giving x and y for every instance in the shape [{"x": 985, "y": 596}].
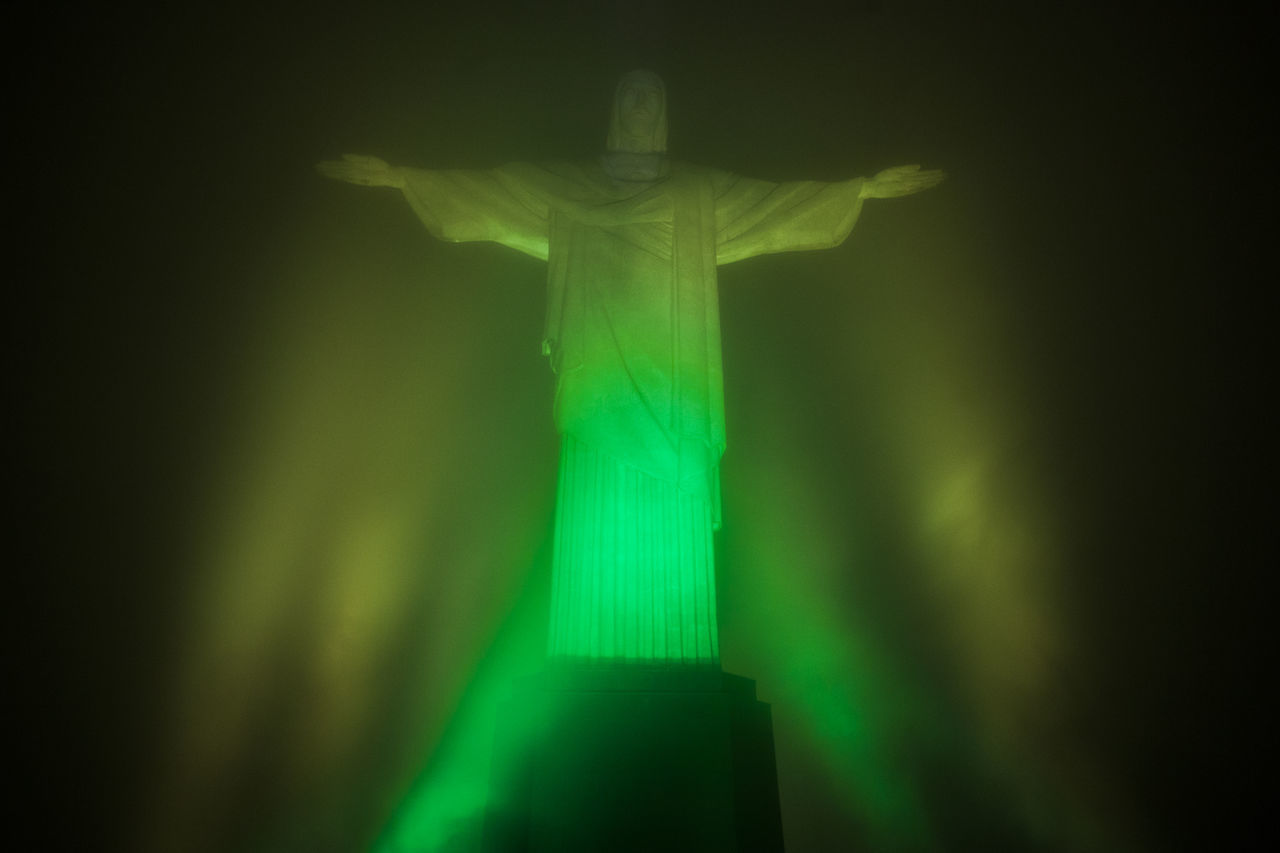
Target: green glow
[
  {"x": 384, "y": 473},
  {"x": 621, "y": 535}
]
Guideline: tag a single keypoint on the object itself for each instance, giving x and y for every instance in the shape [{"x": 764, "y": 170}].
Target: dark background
[{"x": 1110, "y": 156}]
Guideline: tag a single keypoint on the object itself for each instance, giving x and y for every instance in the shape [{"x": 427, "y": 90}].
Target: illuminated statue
[{"x": 632, "y": 241}]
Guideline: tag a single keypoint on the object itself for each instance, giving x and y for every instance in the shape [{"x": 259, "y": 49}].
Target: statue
[{"x": 632, "y": 242}]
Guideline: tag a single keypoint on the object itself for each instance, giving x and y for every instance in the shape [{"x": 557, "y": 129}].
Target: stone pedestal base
[{"x": 597, "y": 758}]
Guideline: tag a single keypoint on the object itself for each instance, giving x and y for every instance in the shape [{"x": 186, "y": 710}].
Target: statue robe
[{"x": 633, "y": 334}]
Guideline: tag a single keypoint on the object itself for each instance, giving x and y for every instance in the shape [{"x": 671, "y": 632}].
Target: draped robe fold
[{"x": 633, "y": 335}]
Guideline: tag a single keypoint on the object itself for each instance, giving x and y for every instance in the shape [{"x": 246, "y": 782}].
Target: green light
[
  {"x": 634, "y": 566},
  {"x": 632, "y": 244}
]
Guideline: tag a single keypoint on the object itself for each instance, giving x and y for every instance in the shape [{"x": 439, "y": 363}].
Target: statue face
[{"x": 640, "y": 107}]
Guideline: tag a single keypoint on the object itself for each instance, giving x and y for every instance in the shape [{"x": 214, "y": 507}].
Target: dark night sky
[{"x": 1107, "y": 158}]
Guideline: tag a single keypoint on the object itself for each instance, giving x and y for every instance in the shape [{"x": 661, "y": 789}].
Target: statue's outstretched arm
[
  {"x": 900, "y": 181},
  {"x": 459, "y": 205},
  {"x": 363, "y": 170}
]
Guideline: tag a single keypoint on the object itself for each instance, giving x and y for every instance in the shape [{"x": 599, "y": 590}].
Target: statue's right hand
[{"x": 361, "y": 169}]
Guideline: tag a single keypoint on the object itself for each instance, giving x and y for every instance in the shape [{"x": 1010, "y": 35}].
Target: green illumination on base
[{"x": 634, "y": 566}]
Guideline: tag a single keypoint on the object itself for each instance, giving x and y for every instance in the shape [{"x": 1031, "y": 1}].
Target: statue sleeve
[
  {"x": 758, "y": 217},
  {"x": 499, "y": 205}
]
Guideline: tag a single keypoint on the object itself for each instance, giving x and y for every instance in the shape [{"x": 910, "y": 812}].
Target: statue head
[{"x": 639, "y": 121}]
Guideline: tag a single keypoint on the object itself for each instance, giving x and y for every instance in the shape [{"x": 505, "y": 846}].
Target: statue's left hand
[{"x": 901, "y": 180}]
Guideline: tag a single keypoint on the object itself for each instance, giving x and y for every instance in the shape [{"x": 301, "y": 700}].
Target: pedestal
[{"x": 623, "y": 758}]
